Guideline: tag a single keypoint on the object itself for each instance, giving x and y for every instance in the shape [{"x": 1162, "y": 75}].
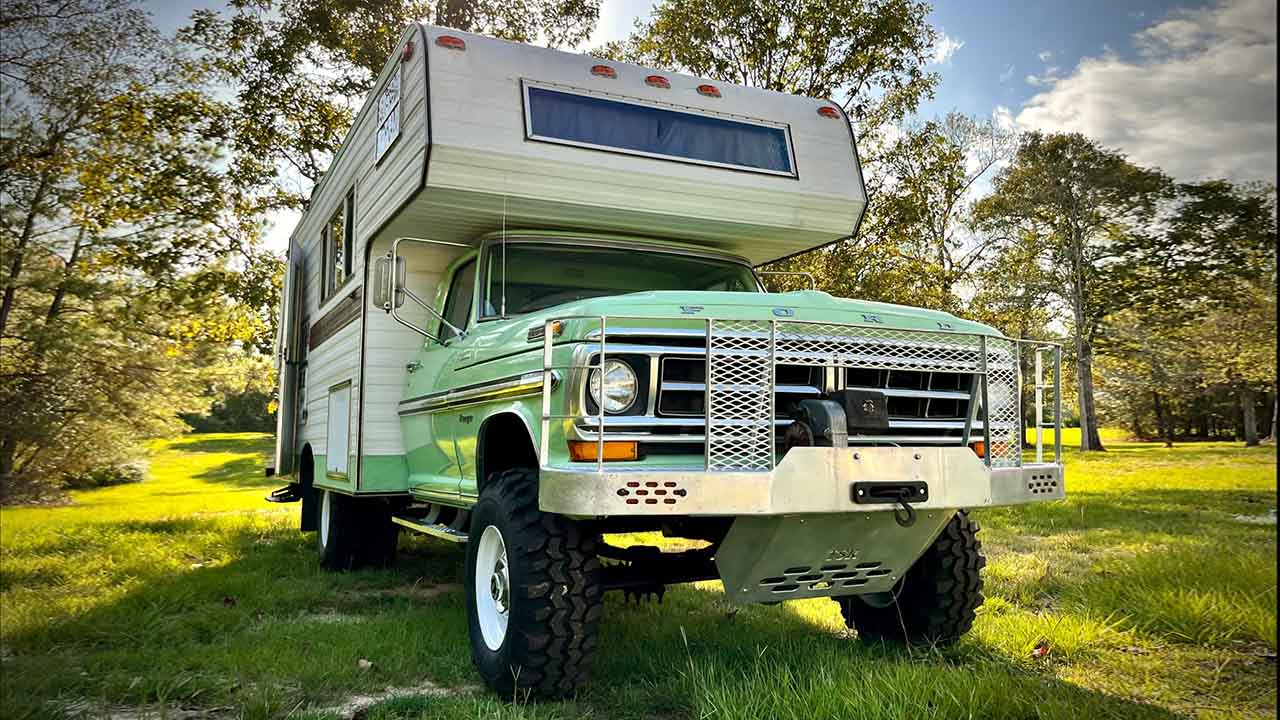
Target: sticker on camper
[{"x": 388, "y": 116}]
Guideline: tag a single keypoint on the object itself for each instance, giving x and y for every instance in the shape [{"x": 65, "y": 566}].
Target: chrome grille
[{"x": 932, "y": 380}]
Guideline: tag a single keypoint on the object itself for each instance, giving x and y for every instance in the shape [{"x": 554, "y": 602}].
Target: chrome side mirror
[{"x": 385, "y": 286}]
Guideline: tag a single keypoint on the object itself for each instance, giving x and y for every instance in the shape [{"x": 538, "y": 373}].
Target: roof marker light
[
  {"x": 451, "y": 42},
  {"x": 657, "y": 81},
  {"x": 827, "y": 111},
  {"x": 604, "y": 71},
  {"x": 709, "y": 91},
  {"x": 407, "y": 54}
]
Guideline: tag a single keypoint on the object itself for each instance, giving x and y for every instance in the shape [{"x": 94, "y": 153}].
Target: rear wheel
[
  {"x": 935, "y": 602},
  {"x": 533, "y": 591},
  {"x": 354, "y": 532}
]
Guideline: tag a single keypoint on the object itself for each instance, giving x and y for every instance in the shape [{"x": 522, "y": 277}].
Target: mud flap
[{"x": 772, "y": 558}]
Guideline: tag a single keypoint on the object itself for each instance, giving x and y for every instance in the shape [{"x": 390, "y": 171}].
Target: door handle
[{"x": 413, "y": 367}]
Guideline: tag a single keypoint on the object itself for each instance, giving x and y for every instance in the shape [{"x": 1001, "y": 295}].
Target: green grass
[{"x": 187, "y": 592}]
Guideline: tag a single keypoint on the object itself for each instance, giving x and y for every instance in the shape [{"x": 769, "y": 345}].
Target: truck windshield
[{"x": 545, "y": 275}]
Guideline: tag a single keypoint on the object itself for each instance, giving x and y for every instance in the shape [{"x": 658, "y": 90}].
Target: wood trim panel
[{"x": 342, "y": 315}]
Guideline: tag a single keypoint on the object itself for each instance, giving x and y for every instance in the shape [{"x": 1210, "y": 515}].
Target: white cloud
[
  {"x": 1007, "y": 75},
  {"x": 946, "y": 47},
  {"x": 1003, "y": 118},
  {"x": 1199, "y": 100},
  {"x": 1048, "y": 77},
  {"x": 1045, "y": 55}
]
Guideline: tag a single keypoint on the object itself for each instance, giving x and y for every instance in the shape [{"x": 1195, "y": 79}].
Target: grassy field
[{"x": 1152, "y": 588}]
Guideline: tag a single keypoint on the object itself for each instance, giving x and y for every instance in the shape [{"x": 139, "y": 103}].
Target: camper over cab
[{"x": 523, "y": 312}]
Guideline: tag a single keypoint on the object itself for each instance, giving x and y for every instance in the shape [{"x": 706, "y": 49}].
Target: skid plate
[{"x": 766, "y": 559}]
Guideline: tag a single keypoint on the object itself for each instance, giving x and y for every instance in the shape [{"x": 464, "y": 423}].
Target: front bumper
[{"x": 808, "y": 480}]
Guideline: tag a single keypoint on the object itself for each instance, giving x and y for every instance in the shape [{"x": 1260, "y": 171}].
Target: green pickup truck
[{"x": 524, "y": 312}]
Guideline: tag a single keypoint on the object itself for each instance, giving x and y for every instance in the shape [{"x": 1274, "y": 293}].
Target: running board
[{"x": 440, "y": 530}]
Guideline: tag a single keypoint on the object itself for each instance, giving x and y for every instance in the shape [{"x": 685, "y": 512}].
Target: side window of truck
[{"x": 457, "y": 305}]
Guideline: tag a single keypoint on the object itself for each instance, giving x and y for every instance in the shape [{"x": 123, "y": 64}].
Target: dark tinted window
[
  {"x": 569, "y": 117},
  {"x": 541, "y": 276},
  {"x": 457, "y": 306}
]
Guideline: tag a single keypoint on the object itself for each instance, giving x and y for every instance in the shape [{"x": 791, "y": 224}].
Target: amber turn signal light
[
  {"x": 979, "y": 448},
  {"x": 587, "y": 450}
]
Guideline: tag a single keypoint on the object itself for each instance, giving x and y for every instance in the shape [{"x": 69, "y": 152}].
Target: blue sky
[{"x": 1189, "y": 87}]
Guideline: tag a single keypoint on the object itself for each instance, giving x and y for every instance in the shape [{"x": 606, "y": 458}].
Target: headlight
[{"x": 619, "y": 386}]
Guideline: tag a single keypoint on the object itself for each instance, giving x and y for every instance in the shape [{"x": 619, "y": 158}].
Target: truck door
[
  {"x": 437, "y": 461},
  {"x": 289, "y": 365}
]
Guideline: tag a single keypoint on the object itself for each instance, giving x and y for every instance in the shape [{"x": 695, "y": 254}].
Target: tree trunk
[
  {"x": 1089, "y": 437},
  {"x": 1275, "y": 416},
  {"x": 1163, "y": 424},
  {"x": 1248, "y": 405},
  {"x": 19, "y": 253}
]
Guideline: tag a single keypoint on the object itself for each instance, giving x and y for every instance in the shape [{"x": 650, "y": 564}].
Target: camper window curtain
[{"x": 643, "y": 129}]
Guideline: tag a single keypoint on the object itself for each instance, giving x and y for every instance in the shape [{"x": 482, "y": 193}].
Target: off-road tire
[
  {"x": 555, "y": 598},
  {"x": 354, "y": 532},
  {"x": 935, "y": 602}
]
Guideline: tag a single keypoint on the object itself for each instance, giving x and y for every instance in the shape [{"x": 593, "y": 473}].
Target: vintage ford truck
[{"x": 523, "y": 312}]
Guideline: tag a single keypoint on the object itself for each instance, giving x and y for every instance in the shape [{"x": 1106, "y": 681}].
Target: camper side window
[
  {"x": 457, "y": 306},
  {"x": 338, "y": 242}
]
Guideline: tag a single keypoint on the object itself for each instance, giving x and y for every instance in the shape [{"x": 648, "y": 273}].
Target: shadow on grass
[
  {"x": 220, "y": 443},
  {"x": 244, "y": 472},
  {"x": 268, "y": 632}
]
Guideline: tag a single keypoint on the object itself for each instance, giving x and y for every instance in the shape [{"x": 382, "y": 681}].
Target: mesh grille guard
[{"x": 741, "y": 357}]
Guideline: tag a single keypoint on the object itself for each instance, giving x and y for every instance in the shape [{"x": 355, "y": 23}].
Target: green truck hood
[{"x": 804, "y": 306}]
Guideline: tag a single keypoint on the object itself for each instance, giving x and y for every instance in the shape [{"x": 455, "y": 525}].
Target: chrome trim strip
[
  {"x": 529, "y": 383},
  {"x": 779, "y": 389},
  {"x": 640, "y": 421}
]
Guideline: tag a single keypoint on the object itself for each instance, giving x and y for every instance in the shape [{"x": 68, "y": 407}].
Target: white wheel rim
[
  {"x": 324, "y": 519},
  {"x": 492, "y": 588}
]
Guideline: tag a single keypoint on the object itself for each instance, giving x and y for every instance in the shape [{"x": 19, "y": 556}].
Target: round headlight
[{"x": 619, "y": 386}]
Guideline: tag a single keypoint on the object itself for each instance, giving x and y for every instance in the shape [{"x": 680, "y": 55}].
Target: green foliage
[
  {"x": 867, "y": 55},
  {"x": 914, "y": 247},
  {"x": 107, "y": 476},
  {"x": 300, "y": 68},
  {"x": 240, "y": 391},
  {"x": 1076, "y": 202},
  {"x": 119, "y": 234}
]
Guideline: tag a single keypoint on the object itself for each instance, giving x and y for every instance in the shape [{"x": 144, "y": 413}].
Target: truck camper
[{"x": 524, "y": 312}]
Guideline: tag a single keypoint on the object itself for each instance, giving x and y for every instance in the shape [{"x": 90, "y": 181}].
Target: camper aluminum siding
[
  {"x": 484, "y": 164},
  {"x": 464, "y": 163},
  {"x": 379, "y": 188}
]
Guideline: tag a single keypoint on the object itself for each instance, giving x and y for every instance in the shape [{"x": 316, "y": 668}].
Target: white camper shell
[{"x": 466, "y": 135}]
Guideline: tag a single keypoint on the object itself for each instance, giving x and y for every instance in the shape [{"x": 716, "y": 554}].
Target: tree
[
  {"x": 300, "y": 68},
  {"x": 1081, "y": 202},
  {"x": 867, "y": 55},
  {"x": 923, "y": 202},
  {"x": 116, "y": 225}
]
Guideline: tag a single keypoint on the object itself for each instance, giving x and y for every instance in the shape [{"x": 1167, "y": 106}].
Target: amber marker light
[
  {"x": 614, "y": 450},
  {"x": 452, "y": 42},
  {"x": 979, "y": 448}
]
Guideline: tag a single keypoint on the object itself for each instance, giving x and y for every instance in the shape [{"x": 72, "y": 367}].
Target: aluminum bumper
[{"x": 809, "y": 480}]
